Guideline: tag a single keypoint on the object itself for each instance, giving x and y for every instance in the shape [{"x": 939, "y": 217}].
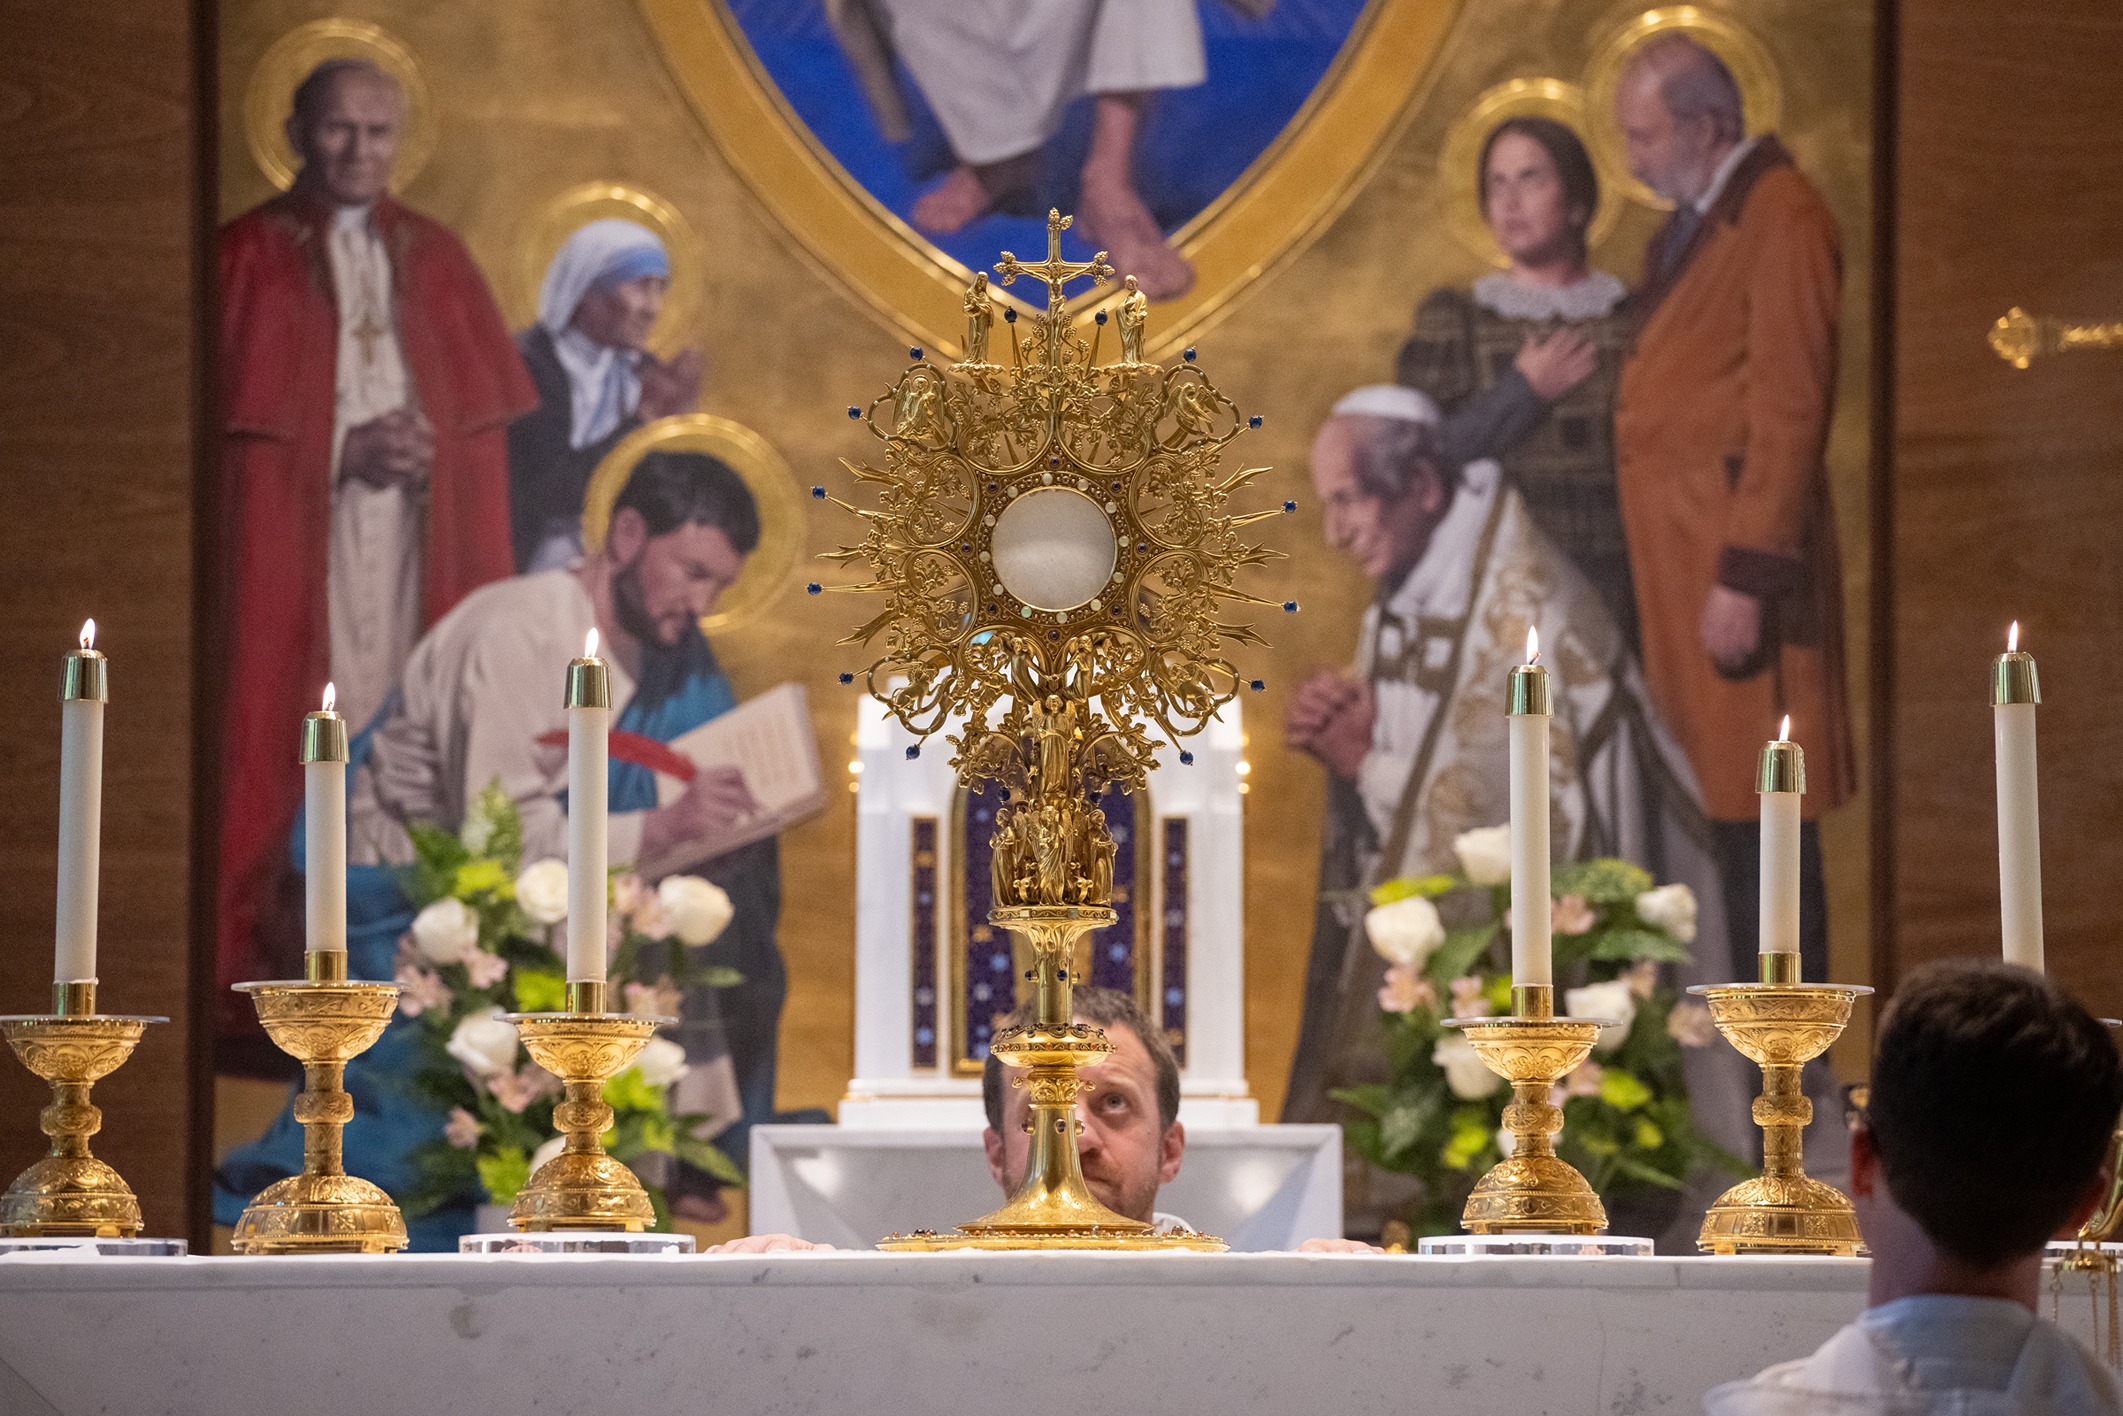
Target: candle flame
[
  {"x": 1533, "y": 645},
  {"x": 331, "y": 696},
  {"x": 88, "y": 634},
  {"x": 2012, "y": 638},
  {"x": 589, "y": 645},
  {"x": 1784, "y": 730}
]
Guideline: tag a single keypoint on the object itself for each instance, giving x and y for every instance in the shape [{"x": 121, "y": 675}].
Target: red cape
[{"x": 279, "y": 345}]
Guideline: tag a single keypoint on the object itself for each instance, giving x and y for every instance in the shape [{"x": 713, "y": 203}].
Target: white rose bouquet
[
  {"x": 1627, "y": 1123},
  {"x": 481, "y": 946}
]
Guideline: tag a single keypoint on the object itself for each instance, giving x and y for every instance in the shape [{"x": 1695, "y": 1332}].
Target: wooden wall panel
[
  {"x": 2007, "y": 484},
  {"x": 97, "y": 392}
]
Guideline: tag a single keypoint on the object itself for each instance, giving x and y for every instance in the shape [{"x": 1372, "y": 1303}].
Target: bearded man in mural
[
  {"x": 367, "y": 384},
  {"x": 1000, "y": 79},
  {"x": 1414, "y": 740}
]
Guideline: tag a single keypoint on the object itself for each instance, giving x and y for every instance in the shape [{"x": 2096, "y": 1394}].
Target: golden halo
[
  {"x": 1461, "y": 156},
  {"x": 752, "y": 458},
  {"x": 267, "y": 99},
  {"x": 1761, "y": 89},
  {"x": 576, "y": 208}
]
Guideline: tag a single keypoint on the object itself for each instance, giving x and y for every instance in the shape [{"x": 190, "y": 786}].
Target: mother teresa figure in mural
[{"x": 596, "y": 381}]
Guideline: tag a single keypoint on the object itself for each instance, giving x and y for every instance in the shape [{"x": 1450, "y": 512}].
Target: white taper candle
[
  {"x": 1781, "y": 780},
  {"x": 1528, "y": 708},
  {"x": 84, "y": 687},
  {"x": 324, "y": 758},
  {"x": 589, "y": 708},
  {"x": 2014, "y": 692}
]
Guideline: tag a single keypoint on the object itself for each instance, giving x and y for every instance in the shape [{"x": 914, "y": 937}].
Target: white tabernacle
[{"x": 832, "y": 1333}]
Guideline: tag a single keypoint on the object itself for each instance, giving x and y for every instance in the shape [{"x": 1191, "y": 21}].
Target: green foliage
[
  {"x": 540, "y": 990},
  {"x": 1627, "y": 1124},
  {"x": 503, "y": 1171}
]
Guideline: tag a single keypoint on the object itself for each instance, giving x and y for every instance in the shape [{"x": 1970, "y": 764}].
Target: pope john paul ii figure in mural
[{"x": 373, "y": 434}]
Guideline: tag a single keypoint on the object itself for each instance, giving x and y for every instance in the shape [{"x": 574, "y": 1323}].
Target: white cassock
[
  {"x": 477, "y": 693},
  {"x": 1438, "y": 651},
  {"x": 377, "y": 535},
  {"x": 1000, "y": 73}
]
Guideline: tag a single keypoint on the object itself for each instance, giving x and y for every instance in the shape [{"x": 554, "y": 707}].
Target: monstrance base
[
  {"x": 1464, "y": 1246},
  {"x": 924, "y": 1241},
  {"x": 576, "y": 1241}
]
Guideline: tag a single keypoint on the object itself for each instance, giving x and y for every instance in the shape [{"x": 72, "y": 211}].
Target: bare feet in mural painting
[
  {"x": 1115, "y": 219},
  {"x": 967, "y": 193}
]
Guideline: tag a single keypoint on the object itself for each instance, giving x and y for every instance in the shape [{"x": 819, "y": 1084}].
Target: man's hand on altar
[
  {"x": 396, "y": 450},
  {"x": 668, "y": 388},
  {"x": 715, "y": 804},
  {"x": 766, "y": 1244},
  {"x": 1330, "y": 718},
  {"x": 1731, "y": 627},
  {"x": 1338, "y": 1246}
]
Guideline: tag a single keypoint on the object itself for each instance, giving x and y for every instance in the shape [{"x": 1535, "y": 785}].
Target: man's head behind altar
[
  {"x": 344, "y": 124},
  {"x": 1993, "y": 1098},
  {"x": 1131, "y": 1141},
  {"x": 678, "y": 538},
  {"x": 1380, "y": 470}
]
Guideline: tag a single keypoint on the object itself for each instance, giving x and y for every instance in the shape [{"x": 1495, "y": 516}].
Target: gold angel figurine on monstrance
[{"x": 1057, "y": 551}]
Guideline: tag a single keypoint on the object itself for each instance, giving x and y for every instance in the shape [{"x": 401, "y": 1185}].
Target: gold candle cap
[
  {"x": 585, "y": 995},
  {"x": 324, "y": 966},
  {"x": 1782, "y": 769},
  {"x": 74, "y": 1000},
  {"x": 1777, "y": 968},
  {"x": 1527, "y": 691},
  {"x": 323, "y": 738},
  {"x": 589, "y": 684},
  {"x": 2012, "y": 679},
  {"x": 85, "y": 677},
  {"x": 1533, "y": 1000}
]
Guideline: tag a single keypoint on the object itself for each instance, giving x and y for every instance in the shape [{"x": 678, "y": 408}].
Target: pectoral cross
[{"x": 1054, "y": 270}]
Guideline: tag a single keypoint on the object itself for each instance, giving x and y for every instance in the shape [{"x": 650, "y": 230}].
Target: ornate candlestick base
[
  {"x": 582, "y": 1187},
  {"x": 1781, "y": 1027},
  {"x": 322, "y": 1022},
  {"x": 1533, "y": 1190},
  {"x": 70, "y": 1194},
  {"x": 1052, "y": 1207}
]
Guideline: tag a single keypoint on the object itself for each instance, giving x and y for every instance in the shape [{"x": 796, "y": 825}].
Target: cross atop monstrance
[{"x": 1054, "y": 270}]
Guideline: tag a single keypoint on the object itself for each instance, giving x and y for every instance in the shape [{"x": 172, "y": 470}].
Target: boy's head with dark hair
[
  {"x": 1131, "y": 1141},
  {"x": 1993, "y": 1099}
]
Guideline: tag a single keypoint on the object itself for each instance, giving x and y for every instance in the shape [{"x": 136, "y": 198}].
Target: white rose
[
  {"x": 547, "y": 1151},
  {"x": 485, "y": 1042},
  {"x": 1612, "y": 999},
  {"x": 1465, "y": 1072},
  {"x": 694, "y": 910},
  {"x": 1406, "y": 931},
  {"x": 542, "y": 890},
  {"x": 446, "y": 931},
  {"x": 661, "y": 1062},
  {"x": 1671, "y": 908},
  {"x": 1485, "y": 854}
]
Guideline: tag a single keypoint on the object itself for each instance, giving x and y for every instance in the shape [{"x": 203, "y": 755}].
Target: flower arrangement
[
  {"x": 1627, "y": 1126},
  {"x": 482, "y": 946}
]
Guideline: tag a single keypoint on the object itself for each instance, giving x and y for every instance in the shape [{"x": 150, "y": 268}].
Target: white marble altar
[
  {"x": 833, "y": 1333},
  {"x": 1255, "y": 1187}
]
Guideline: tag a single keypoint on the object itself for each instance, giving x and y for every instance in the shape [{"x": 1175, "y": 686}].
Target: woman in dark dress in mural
[{"x": 1524, "y": 363}]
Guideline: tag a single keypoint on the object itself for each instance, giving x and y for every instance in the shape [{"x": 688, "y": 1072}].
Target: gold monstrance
[{"x": 1054, "y": 540}]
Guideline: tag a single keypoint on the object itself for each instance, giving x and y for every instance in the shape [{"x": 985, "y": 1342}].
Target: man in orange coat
[
  {"x": 1721, "y": 419},
  {"x": 367, "y": 385}
]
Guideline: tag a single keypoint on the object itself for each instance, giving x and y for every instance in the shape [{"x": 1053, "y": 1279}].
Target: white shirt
[
  {"x": 1723, "y": 174},
  {"x": 375, "y": 544},
  {"x": 1933, "y": 1355}
]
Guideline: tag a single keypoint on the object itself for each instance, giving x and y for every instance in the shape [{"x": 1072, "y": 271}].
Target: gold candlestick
[
  {"x": 1533, "y": 1190},
  {"x": 1781, "y": 1026},
  {"x": 70, "y": 1193},
  {"x": 323, "y": 1022},
  {"x": 582, "y": 1187}
]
